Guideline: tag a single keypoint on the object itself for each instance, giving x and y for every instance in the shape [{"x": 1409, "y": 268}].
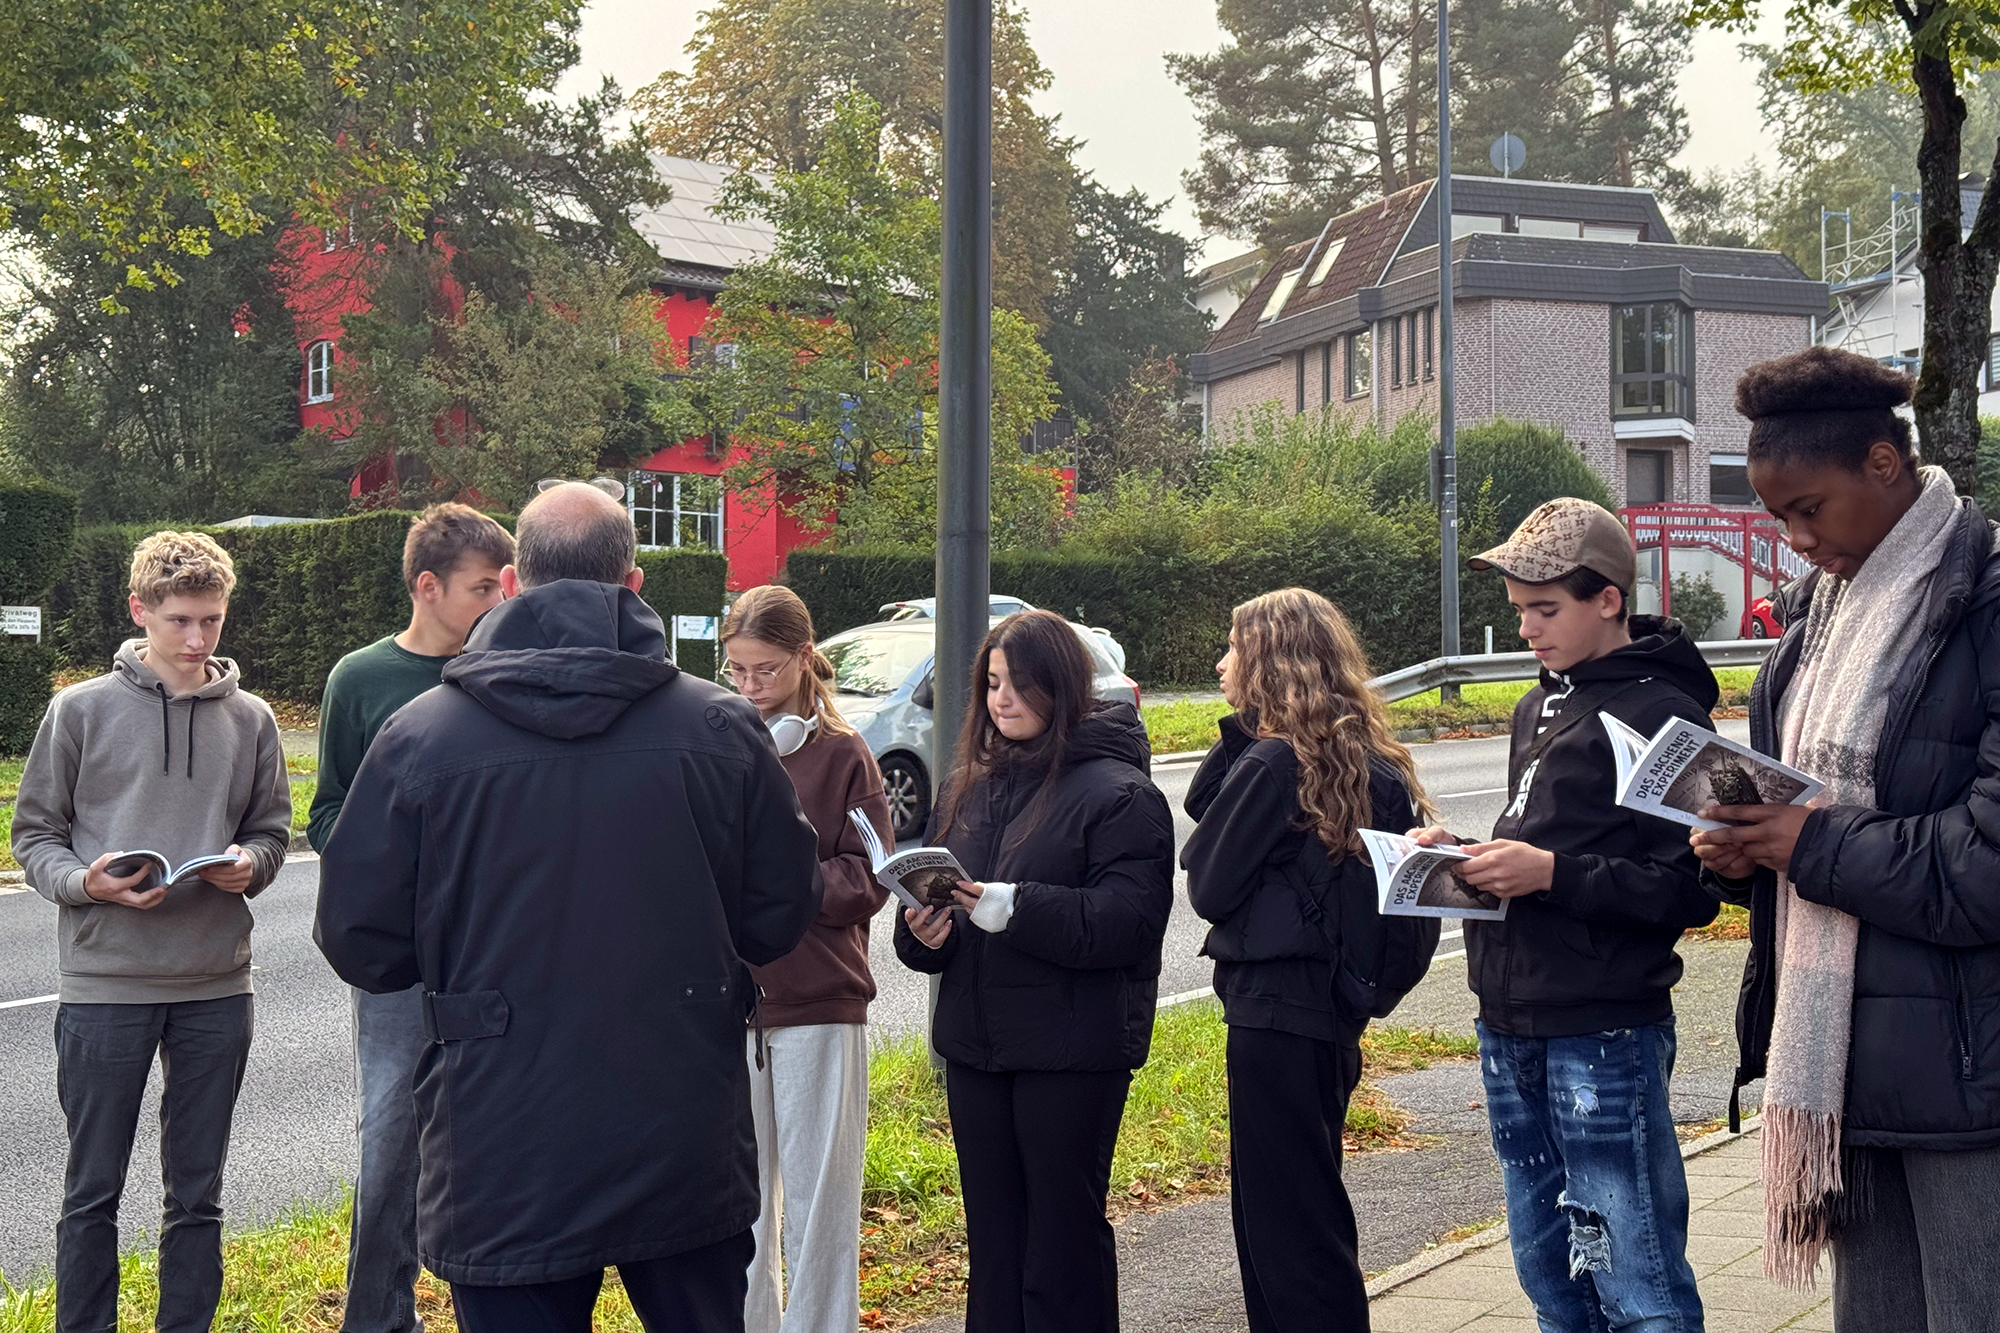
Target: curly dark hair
[{"x": 1824, "y": 405}]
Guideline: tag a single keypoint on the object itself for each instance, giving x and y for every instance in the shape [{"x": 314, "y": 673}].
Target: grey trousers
[
  {"x": 1923, "y": 1260},
  {"x": 382, "y": 1263}
]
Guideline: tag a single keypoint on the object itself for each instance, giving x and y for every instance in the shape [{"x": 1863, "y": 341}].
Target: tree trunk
[
  {"x": 1412, "y": 102},
  {"x": 1621, "y": 159},
  {"x": 1378, "y": 103},
  {"x": 1958, "y": 278}
]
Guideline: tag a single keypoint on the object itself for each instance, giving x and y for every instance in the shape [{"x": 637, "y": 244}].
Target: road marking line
[
  {"x": 1483, "y": 791},
  {"x": 33, "y": 999}
]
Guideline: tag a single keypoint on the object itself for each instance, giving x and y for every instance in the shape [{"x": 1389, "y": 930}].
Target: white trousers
[{"x": 810, "y": 1105}]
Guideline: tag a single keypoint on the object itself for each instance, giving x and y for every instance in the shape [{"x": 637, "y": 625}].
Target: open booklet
[
  {"x": 1685, "y": 766},
  {"x": 920, "y": 877},
  {"x": 1412, "y": 880},
  {"x": 164, "y": 872}
]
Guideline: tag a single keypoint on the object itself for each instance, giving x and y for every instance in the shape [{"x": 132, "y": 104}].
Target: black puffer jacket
[
  {"x": 576, "y": 850},
  {"x": 1922, "y": 873},
  {"x": 1596, "y": 951},
  {"x": 1072, "y": 981},
  {"x": 1268, "y": 889}
]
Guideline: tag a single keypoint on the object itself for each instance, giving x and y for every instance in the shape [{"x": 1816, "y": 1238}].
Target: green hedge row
[
  {"x": 1171, "y": 612},
  {"x": 687, "y": 583},
  {"x": 36, "y": 526},
  {"x": 307, "y": 593}
]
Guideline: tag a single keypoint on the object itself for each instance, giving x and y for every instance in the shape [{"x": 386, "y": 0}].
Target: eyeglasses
[
  {"x": 611, "y": 486},
  {"x": 758, "y": 675}
]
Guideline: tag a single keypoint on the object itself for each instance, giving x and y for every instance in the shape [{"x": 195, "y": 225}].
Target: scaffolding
[{"x": 1853, "y": 267}]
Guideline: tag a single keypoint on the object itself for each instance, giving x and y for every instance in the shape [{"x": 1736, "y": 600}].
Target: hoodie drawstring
[{"x": 166, "y": 735}]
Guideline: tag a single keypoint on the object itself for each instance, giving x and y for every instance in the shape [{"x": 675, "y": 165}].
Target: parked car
[
  {"x": 998, "y": 604},
  {"x": 883, "y": 674},
  {"x": 1759, "y": 622}
]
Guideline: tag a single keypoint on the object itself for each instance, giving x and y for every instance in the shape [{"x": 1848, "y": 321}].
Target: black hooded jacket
[
  {"x": 1921, "y": 871},
  {"x": 575, "y": 850},
  {"x": 1268, "y": 889},
  {"x": 1596, "y": 951},
  {"x": 1071, "y": 983}
]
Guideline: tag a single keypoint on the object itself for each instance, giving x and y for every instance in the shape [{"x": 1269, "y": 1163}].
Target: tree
[
  {"x": 1143, "y": 430},
  {"x": 1936, "y": 48},
  {"x": 1309, "y": 108},
  {"x": 1127, "y": 295},
  {"x": 180, "y": 404},
  {"x": 825, "y": 375},
  {"x": 769, "y": 76},
  {"x": 150, "y": 130}
]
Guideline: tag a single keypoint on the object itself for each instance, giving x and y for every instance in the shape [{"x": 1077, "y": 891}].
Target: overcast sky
[{"x": 1112, "y": 89}]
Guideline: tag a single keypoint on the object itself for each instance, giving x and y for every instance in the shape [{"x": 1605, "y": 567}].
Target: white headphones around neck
[{"x": 789, "y": 731}]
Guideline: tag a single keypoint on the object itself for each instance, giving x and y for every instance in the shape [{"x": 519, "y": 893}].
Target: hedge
[
  {"x": 308, "y": 593},
  {"x": 37, "y": 523},
  {"x": 687, "y": 583}
]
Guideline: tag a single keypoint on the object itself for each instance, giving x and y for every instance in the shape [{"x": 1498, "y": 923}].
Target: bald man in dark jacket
[{"x": 575, "y": 849}]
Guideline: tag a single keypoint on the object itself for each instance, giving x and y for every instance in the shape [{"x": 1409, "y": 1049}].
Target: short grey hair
[{"x": 564, "y": 535}]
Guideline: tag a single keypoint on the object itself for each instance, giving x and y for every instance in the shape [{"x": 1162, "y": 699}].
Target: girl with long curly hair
[{"x": 1306, "y": 761}]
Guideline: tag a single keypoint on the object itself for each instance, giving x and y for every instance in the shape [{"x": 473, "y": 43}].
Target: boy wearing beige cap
[{"x": 1576, "y": 1024}]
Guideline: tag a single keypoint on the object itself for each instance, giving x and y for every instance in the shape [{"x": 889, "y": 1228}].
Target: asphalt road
[{"x": 293, "y": 1134}]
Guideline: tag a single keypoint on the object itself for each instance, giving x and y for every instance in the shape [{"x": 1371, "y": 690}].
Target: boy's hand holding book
[
  {"x": 124, "y": 890},
  {"x": 235, "y": 876}
]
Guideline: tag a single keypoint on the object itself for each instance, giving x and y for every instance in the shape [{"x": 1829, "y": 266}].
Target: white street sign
[{"x": 21, "y": 620}]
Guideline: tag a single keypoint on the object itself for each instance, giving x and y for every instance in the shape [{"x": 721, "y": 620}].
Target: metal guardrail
[{"x": 1482, "y": 668}]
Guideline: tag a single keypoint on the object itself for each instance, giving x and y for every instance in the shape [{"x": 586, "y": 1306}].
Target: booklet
[
  {"x": 1685, "y": 766},
  {"x": 130, "y": 863},
  {"x": 1413, "y": 880},
  {"x": 920, "y": 877}
]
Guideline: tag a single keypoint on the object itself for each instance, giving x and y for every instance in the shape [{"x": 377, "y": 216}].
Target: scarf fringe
[{"x": 1803, "y": 1195}]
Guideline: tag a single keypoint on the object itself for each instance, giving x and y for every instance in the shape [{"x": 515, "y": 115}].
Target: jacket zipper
[{"x": 1963, "y": 1013}]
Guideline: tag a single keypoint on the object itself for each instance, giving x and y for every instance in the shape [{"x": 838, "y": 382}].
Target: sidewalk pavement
[{"x": 1470, "y": 1285}]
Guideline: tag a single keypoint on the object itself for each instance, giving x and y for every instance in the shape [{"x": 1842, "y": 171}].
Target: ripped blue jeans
[{"x": 1597, "y": 1201}]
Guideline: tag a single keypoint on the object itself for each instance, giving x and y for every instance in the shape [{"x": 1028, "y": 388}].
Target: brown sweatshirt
[{"x": 826, "y": 978}]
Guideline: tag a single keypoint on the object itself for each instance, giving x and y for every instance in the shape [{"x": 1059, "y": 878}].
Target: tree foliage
[
  {"x": 148, "y": 130},
  {"x": 829, "y": 377},
  {"x": 1144, "y": 430},
  {"x": 769, "y": 76}
]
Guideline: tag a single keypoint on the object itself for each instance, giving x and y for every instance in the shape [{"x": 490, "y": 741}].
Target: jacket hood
[
  {"x": 1662, "y": 649},
  {"x": 128, "y": 666},
  {"x": 565, "y": 659},
  {"x": 1110, "y": 731}
]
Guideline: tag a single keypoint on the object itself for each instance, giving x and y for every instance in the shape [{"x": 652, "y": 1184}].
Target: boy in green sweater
[{"x": 452, "y": 560}]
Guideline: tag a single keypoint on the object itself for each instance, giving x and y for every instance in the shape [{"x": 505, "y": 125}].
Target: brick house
[{"x": 1574, "y": 308}]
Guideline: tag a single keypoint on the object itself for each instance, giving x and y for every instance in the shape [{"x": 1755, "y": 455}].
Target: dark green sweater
[{"x": 364, "y": 689}]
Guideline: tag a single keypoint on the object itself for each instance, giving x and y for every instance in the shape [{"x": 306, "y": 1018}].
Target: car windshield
[{"x": 875, "y": 663}]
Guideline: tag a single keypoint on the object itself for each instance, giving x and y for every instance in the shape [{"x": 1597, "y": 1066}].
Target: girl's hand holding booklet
[
  {"x": 920, "y": 877},
  {"x": 1685, "y": 766},
  {"x": 1414, "y": 880}
]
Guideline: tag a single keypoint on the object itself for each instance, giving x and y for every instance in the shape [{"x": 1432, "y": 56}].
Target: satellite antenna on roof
[{"x": 1508, "y": 154}]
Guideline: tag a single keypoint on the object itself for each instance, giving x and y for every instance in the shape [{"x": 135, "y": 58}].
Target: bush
[
  {"x": 1697, "y": 603},
  {"x": 309, "y": 593},
  {"x": 686, "y": 583},
  {"x": 36, "y": 524},
  {"x": 25, "y": 669}
]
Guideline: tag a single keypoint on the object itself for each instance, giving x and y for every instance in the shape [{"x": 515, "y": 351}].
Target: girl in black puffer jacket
[
  {"x": 1050, "y": 964},
  {"x": 1307, "y": 760}
]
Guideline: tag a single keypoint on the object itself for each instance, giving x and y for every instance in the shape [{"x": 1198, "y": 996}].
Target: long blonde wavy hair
[
  {"x": 774, "y": 614},
  {"x": 1302, "y": 677}
]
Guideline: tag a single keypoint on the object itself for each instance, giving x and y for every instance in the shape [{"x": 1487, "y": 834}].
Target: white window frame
[
  {"x": 319, "y": 371},
  {"x": 669, "y": 505}
]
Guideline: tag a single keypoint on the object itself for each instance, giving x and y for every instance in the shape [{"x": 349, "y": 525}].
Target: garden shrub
[
  {"x": 1698, "y": 603},
  {"x": 36, "y": 524}
]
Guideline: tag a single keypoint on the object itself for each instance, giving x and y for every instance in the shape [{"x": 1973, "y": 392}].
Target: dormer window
[
  {"x": 1279, "y": 295},
  {"x": 1325, "y": 265}
]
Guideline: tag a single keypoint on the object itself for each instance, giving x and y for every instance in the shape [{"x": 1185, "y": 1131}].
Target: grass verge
[
  {"x": 1174, "y": 1140},
  {"x": 1731, "y": 923}
]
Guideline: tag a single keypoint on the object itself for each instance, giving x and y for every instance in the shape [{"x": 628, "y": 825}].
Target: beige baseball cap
[{"x": 1562, "y": 536}]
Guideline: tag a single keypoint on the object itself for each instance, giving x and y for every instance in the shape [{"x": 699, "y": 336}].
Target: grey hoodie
[{"x": 120, "y": 764}]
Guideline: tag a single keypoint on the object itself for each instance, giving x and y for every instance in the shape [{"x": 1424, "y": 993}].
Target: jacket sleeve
[
  {"x": 853, "y": 894},
  {"x": 366, "y": 921},
  {"x": 920, "y": 957},
  {"x": 339, "y": 756},
  {"x": 265, "y": 831},
  {"x": 1243, "y": 821},
  {"x": 1932, "y": 877},
  {"x": 781, "y": 872},
  {"x": 1119, "y": 916},
  {"x": 45, "y": 810}
]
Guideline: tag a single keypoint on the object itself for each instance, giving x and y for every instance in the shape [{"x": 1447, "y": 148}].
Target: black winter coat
[
  {"x": 575, "y": 849},
  {"x": 1596, "y": 951},
  {"x": 1072, "y": 981},
  {"x": 1922, "y": 872},
  {"x": 1273, "y": 900}
]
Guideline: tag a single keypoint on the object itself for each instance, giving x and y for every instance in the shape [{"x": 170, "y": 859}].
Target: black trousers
[
  {"x": 1034, "y": 1161},
  {"x": 698, "y": 1292},
  {"x": 104, "y": 1055},
  {"x": 1295, "y": 1234},
  {"x": 1921, "y": 1261}
]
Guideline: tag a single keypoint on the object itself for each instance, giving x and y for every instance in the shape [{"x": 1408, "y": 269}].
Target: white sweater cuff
[{"x": 994, "y": 909}]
